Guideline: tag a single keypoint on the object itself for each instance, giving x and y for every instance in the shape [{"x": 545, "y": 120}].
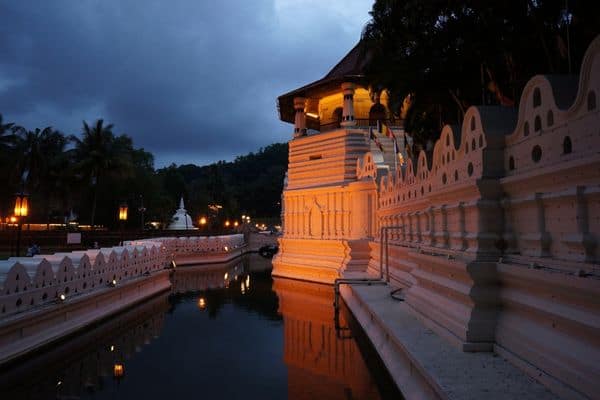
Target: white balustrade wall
[
  {"x": 30, "y": 282},
  {"x": 495, "y": 236}
]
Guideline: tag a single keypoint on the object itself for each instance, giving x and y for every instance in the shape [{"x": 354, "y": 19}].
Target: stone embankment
[{"x": 47, "y": 297}]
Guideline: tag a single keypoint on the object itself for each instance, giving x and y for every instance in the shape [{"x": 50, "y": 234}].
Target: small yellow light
[
  {"x": 114, "y": 282},
  {"x": 202, "y": 303},
  {"x": 62, "y": 297},
  {"x": 112, "y": 347},
  {"x": 203, "y": 221},
  {"x": 235, "y": 223},
  {"x": 226, "y": 223},
  {"x": 123, "y": 212},
  {"x": 13, "y": 219},
  {"x": 243, "y": 216},
  {"x": 118, "y": 370},
  {"x": 226, "y": 248},
  {"x": 226, "y": 276}
]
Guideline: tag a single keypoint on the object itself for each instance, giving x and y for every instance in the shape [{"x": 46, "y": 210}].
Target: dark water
[{"x": 226, "y": 331}]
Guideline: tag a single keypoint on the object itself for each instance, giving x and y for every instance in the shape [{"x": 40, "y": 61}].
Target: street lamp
[
  {"x": 122, "y": 217},
  {"x": 21, "y": 211}
]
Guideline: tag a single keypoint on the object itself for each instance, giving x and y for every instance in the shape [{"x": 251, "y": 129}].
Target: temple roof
[{"x": 349, "y": 69}]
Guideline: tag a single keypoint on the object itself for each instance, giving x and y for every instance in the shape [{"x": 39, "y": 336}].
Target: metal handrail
[{"x": 384, "y": 237}]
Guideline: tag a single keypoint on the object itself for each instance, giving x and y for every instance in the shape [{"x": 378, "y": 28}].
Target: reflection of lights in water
[
  {"x": 226, "y": 275},
  {"x": 118, "y": 370},
  {"x": 202, "y": 303}
]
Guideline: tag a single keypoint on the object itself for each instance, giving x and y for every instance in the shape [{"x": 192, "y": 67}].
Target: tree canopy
[
  {"x": 447, "y": 55},
  {"x": 90, "y": 174}
]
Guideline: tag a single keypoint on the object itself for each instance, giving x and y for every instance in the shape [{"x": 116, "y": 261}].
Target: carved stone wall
[
  {"x": 30, "y": 282},
  {"x": 494, "y": 235}
]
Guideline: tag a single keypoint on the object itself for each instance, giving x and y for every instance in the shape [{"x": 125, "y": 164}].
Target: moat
[{"x": 223, "y": 331}]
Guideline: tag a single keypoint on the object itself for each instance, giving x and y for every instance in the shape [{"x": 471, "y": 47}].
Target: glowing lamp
[
  {"x": 202, "y": 303},
  {"x": 123, "y": 212},
  {"x": 21, "y": 205},
  {"x": 13, "y": 219},
  {"x": 118, "y": 371},
  {"x": 62, "y": 297},
  {"x": 235, "y": 223},
  {"x": 203, "y": 221},
  {"x": 227, "y": 223},
  {"x": 226, "y": 276}
]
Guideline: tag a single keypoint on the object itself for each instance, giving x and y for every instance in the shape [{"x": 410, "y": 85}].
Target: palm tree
[
  {"x": 98, "y": 153},
  {"x": 7, "y": 135}
]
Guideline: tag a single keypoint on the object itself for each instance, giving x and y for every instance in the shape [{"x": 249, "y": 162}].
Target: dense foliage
[
  {"x": 89, "y": 175},
  {"x": 448, "y": 55}
]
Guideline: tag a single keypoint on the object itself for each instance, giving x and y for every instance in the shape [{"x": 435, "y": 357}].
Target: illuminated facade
[
  {"x": 493, "y": 235},
  {"x": 329, "y": 212}
]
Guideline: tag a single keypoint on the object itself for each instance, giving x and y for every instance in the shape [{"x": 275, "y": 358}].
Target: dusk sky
[{"x": 191, "y": 81}]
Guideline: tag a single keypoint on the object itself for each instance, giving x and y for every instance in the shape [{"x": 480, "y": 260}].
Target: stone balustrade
[
  {"x": 494, "y": 236},
  {"x": 31, "y": 282}
]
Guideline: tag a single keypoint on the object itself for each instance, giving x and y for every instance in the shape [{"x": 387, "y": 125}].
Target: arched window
[
  {"x": 337, "y": 116},
  {"x": 591, "y": 100},
  {"x": 567, "y": 145},
  {"x": 537, "y": 97},
  {"x": 550, "y": 118},
  {"x": 537, "y": 124},
  {"x": 377, "y": 113}
]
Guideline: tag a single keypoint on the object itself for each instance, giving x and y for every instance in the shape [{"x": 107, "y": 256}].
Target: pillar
[
  {"x": 300, "y": 117},
  {"x": 348, "y": 113}
]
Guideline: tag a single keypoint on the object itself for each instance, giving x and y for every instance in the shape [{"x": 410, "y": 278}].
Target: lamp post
[
  {"x": 122, "y": 218},
  {"x": 21, "y": 211}
]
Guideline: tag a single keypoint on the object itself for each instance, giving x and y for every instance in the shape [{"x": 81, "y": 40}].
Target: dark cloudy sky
[{"x": 190, "y": 80}]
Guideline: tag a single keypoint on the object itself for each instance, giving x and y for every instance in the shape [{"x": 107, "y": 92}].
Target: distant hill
[{"x": 251, "y": 184}]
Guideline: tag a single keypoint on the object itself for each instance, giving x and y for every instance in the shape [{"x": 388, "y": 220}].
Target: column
[
  {"x": 300, "y": 118},
  {"x": 348, "y": 113}
]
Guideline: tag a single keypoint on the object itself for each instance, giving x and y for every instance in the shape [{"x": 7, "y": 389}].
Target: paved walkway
[{"x": 426, "y": 366}]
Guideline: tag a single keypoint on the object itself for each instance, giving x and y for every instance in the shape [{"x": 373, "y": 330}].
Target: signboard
[{"x": 74, "y": 238}]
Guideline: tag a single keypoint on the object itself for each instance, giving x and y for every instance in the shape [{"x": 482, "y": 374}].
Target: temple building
[
  {"x": 181, "y": 220},
  {"x": 492, "y": 235},
  {"x": 323, "y": 199}
]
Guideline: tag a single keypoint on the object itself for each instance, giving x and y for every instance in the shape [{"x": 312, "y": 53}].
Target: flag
[
  {"x": 399, "y": 155},
  {"x": 407, "y": 147},
  {"x": 374, "y": 138},
  {"x": 388, "y": 132}
]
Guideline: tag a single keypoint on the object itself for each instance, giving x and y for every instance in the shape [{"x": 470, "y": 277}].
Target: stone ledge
[
  {"x": 424, "y": 365},
  {"x": 75, "y": 314}
]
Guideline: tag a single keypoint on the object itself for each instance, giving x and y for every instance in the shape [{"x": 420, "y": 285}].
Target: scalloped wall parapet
[
  {"x": 501, "y": 155},
  {"x": 28, "y": 282}
]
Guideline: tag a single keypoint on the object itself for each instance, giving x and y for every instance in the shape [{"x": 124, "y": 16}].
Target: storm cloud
[{"x": 192, "y": 81}]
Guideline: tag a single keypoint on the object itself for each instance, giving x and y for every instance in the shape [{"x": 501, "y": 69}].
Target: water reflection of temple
[
  {"x": 88, "y": 362},
  {"x": 320, "y": 364}
]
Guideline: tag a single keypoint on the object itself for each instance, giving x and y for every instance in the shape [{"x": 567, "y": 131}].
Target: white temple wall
[
  {"x": 28, "y": 282},
  {"x": 497, "y": 244}
]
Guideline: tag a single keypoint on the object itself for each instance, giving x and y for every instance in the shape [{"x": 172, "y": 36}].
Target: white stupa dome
[{"x": 181, "y": 219}]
